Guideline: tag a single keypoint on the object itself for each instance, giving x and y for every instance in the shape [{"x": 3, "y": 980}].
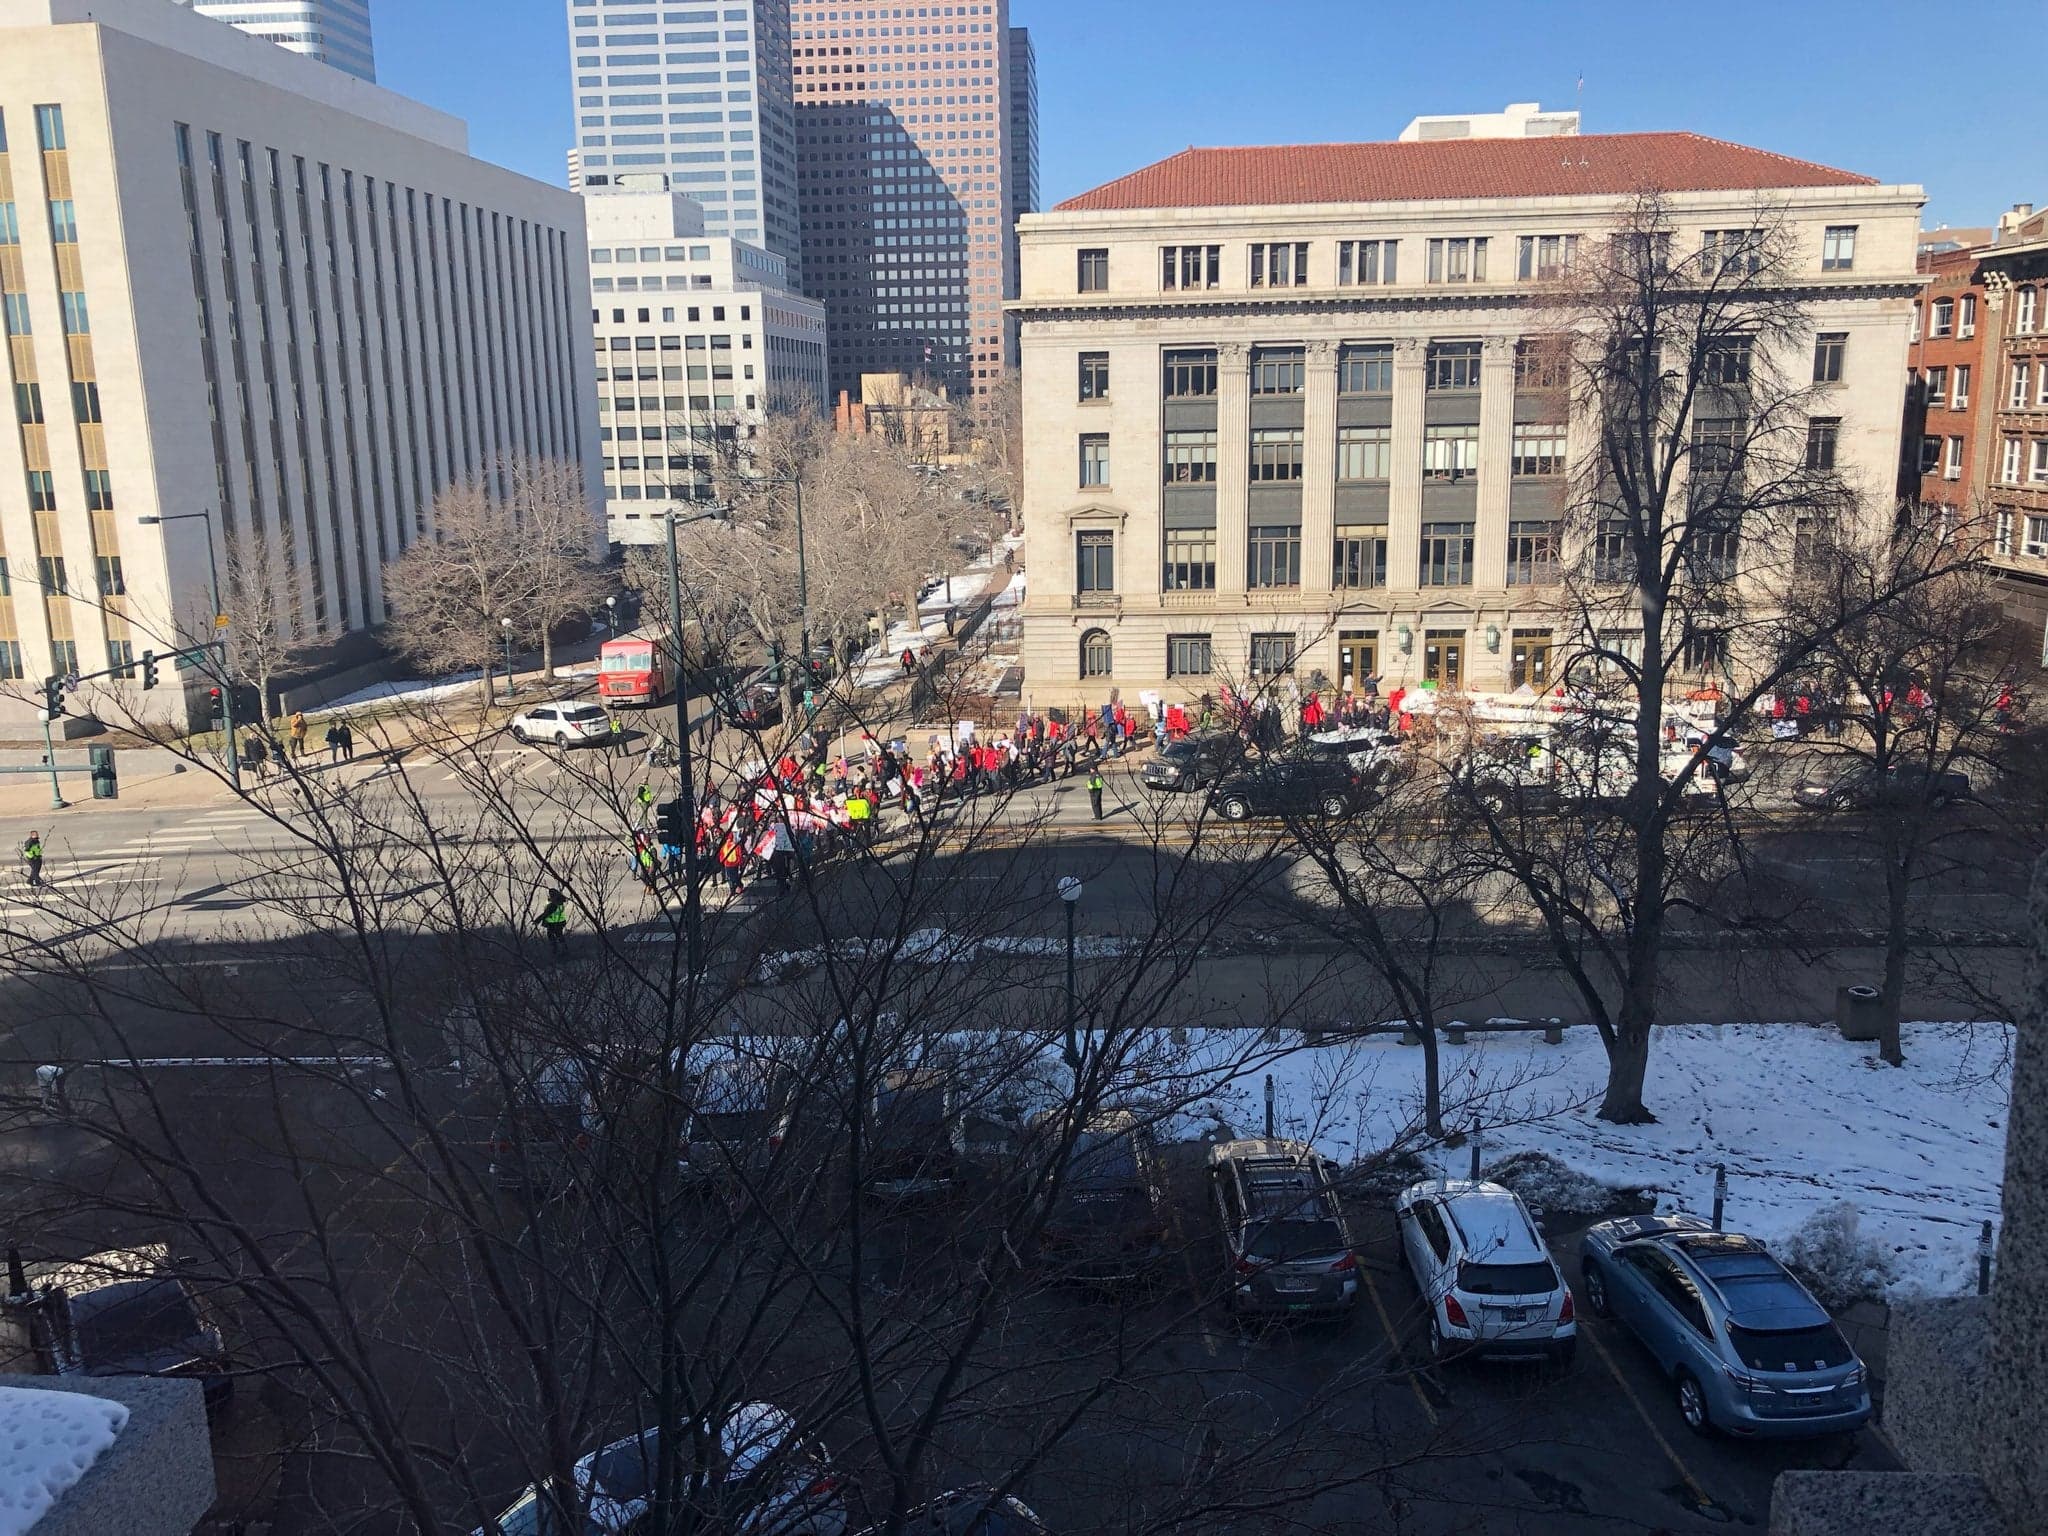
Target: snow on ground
[
  {"x": 411, "y": 690},
  {"x": 48, "y": 1441},
  {"x": 1801, "y": 1118}
]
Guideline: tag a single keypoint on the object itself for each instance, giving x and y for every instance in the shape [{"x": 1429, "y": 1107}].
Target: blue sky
[{"x": 1903, "y": 92}]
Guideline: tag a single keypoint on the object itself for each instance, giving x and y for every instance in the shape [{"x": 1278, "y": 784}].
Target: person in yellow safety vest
[
  {"x": 32, "y": 856},
  {"x": 859, "y": 814},
  {"x": 1095, "y": 788},
  {"x": 554, "y": 921}
]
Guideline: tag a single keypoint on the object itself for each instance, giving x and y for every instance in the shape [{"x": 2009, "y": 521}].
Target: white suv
[
  {"x": 1489, "y": 1283},
  {"x": 566, "y": 725}
]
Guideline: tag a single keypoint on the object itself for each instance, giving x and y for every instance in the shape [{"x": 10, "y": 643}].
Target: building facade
[
  {"x": 1275, "y": 422},
  {"x": 701, "y": 95},
  {"x": 1944, "y": 445},
  {"x": 336, "y": 32},
  {"x": 2014, "y": 274},
  {"x": 908, "y": 185},
  {"x": 698, "y": 337},
  {"x": 236, "y": 282}
]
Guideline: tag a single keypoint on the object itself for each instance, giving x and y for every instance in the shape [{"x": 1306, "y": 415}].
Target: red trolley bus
[{"x": 634, "y": 671}]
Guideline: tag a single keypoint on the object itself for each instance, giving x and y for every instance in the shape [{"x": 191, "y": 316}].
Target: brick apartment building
[{"x": 1942, "y": 462}]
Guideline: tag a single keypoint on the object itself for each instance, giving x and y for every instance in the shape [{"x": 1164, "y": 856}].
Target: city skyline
[{"x": 1819, "y": 89}]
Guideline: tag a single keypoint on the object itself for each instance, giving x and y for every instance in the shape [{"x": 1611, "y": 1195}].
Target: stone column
[
  {"x": 1233, "y": 462},
  {"x": 1319, "y": 467},
  {"x": 1404, "y": 475},
  {"x": 1496, "y": 462}
]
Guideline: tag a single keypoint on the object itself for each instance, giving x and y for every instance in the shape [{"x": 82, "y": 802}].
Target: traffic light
[
  {"x": 53, "y": 697},
  {"x": 668, "y": 822},
  {"x": 148, "y": 670},
  {"x": 215, "y": 709}
]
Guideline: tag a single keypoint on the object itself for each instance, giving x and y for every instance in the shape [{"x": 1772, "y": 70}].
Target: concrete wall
[{"x": 157, "y": 1477}]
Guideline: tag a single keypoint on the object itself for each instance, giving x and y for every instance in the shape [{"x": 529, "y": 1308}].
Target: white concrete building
[
  {"x": 336, "y": 32},
  {"x": 1274, "y": 419},
  {"x": 698, "y": 337},
  {"x": 235, "y": 281},
  {"x": 1518, "y": 120}
]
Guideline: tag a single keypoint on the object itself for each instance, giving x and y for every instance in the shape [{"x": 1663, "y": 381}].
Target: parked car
[
  {"x": 763, "y": 1478},
  {"x": 125, "y": 1312},
  {"x": 1485, "y": 1275},
  {"x": 1747, "y": 1348},
  {"x": 737, "y": 1115},
  {"x": 1283, "y": 1230},
  {"x": 549, "y": 1120},
  {"x": 1193, "y": 762},
  {"x": 1108, "y": 1223},
  {"x": 1301, "y": 786},
  {"x": 1375, "y": 754},
  {"x": 970, "y": 1512},
  {"x": 1861, "y": 787},
  {"x": 564, "y": 725},
  {"x": 752, "y": 706},
  {"x": 917, "y": 1141}
]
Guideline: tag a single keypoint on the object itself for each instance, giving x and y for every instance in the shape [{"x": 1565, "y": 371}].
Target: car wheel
[
  {"x": 562, "y": 740},
  {"x": 1334, "y": 805},
  {"x": 1596, "y": 1291},
  {"x": 1439, "y": 1346},
  {"x": 1692, "y": 1404},
  {"x": 519, "y": 734},
  {"x": 1235, "y": 808}
]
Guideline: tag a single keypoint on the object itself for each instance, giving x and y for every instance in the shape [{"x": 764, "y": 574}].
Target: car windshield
[
  {"x": 1102, "y": 1161},
  {"x": 1790, "y": 1349},
  {"x": 532, "y": 1516},
  {"x": 1507, "y": 1279},
  {"x": 623, "y": 1471},
  {"x": 133, "y": 1318},
  {"x": 1283, "y": 1240}
]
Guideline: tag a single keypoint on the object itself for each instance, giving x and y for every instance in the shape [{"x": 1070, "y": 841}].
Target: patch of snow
[
  {"x": 411, "y": 690},
  {"x": 48, "y": 1441}
]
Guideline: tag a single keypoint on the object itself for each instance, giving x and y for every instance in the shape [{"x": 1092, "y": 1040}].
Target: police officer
[
  {"x": 1095, "y": 787},
  {"x": 554, "y": 921},
  {"x": 32, "y": 856}
]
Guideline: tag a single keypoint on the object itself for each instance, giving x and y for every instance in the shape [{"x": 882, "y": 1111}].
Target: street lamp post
[
  {"x": 1070, "y": 898},
  {"x": 227, "y": 682},
  {"x": 510, "y": 686},
  {"x": 693, "y": 902}
]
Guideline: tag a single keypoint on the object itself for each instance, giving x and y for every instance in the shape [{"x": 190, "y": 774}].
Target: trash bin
[
  {"x": 105, "y": 784},
  {"x": 1857, "y": 1013}
]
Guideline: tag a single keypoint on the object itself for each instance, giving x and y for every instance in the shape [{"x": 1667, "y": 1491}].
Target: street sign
[
  {"x": 220, "y": 621},
  {"x": 71, "y": 682}
]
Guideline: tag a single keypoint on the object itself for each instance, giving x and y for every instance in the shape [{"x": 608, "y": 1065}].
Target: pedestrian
[
  {"x": 732, "y": 854},
  {"x": 258, "y": 756},
  {"x": 1095, "y": 788},
  {"x": 333, "y": 744},
  {"x": 644, "y": 798},
  {"x": 619, "y": 748},
  {"x": 32, "y": 856},
  {"x": 298, "y": 729},
  {"x": 643, "y": 862},
  {"x": 348, "y": 743},
  {"x": 554, "y": 922},
  {"x": 909, "y": 661}
]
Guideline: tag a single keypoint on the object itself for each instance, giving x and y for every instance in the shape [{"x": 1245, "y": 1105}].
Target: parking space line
[
  {"x": 1703, "y": 1503},
  {"x": 1394, "y": 1343}
]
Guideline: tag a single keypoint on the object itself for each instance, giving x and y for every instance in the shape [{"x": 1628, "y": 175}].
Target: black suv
[
  {"x": 1303, "y": 786},
  {"x": 1283, "y": 1230},
  {"x": 1109, "y": 1222},
  {"x": 125, "y": 1312},
  {"x": 1861, "y": 787},
  {"x": 1194, "y": 762}
]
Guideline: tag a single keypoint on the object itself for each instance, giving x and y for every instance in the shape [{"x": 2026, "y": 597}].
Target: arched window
[{"x": 1095, "y": 654}]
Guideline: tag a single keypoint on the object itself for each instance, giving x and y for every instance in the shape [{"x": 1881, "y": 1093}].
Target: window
[
  {"x": 2022, "y": 386},
  {"x": 1443, "y": 657},
  {"x": 1190, "y": 266},
  {"x": 1278, "y": 371},
  {"x": 1360, "y": 558},
  {"x": 1094, "y": 458},
  {"x": 76, "y": 321},
  {"x": 1358, "y": 657},
  {"x": 1280, "y": 264},
  {"x": 1367, "y": 370},
  {"x": 121, "y": 658},
  {"x": 1446, "y": 555},
  {"x": 1457, "y": 261},
  {"x": 107, "y": 568},
  {"x": 1930, "y": 454},
  {"x": 1092, "y": 271},
  {"x": 1096, "y": 658},
  {"x": 99, "y": 491},
  {"x": 14, "y": 314},
  {"x": 50, "y": 127},
  {"x": 1187, "y": 655},
  {"x": 1613, "y": 560},
  {"x": 1539, "y": 448},
  {"x": 42, "y": 491},
  {"x": 1190, "y": 560},
  {"x": 1727, "y": 362},
  {"x": 50, "y": 571},
  {"x": 2036, "y": 543},
  {"x": 1364, "y": 453},
  {"x": 1823, "y": 436},
  {"x": 1366, "y": 261},
  {"x": 1450, "y": 453},
  {"x": 1191, "y": 375},
  {"x": 1273, "y": 557},
  {"x": 1705, "y": 651},
  {"x": 1828, "y": 348},
  {"x": 1731, "y": 252},
  {"x": 28, "y": 403},
  {"x": 2039, "y": 471},
  {"x": 2008, "y": 464},
  {"x": 1838, "y": 248},
  {"x": 1529, "y": 659},
  {"x": 1914, "y": 334},
  {"x": 1190, "y": 458},
  {"x": 1532, "y": 554},
  {"x": 1952, "y": 464},
  {"x": 1272, "y": 655},
  {"x": 1094, "y": 562},
  {"x": 2001, "y": 536},
  {"x": 1966, "y": 316},
  {"x": 1454, "y": 365},
  {"x": 1542, "y": 362},
  {"x": 1960, "y": 395},
  {"x": 1094, "y": 375},
  {"x": 1544, "y": 257},
  {"x": 1944, "y": 318},
  {"x": 11, "y": 669},
  {"x": 1276, "y": 453},
  {"x": 63, "y": 221},
  {"x": 1936, "y": 386},
  {"x": 1813, "y": 535},
  {"x": 1711, "y": 551},
  {"x": 85, "y": 402},
  {"x": 2023, "y": 311},
  {"x": 64, "y": 656}
]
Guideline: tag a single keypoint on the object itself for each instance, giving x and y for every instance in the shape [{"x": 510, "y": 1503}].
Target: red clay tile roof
[{"x": 1599, "y": 164}]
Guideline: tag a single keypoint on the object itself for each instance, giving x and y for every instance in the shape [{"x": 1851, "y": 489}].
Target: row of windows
[
  {"x": 1447, "y": 260},
  {"x": 1363, "y": 368},
  {"x": 2021, "y": 462},
  {"x": 1443, "y": 655},
  {"x": 1449, "y": 453}
]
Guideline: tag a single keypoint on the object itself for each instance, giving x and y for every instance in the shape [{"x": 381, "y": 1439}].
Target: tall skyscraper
[
  {"x": 907, "y": 182},
  {"x": 335, "y": 32},
  {"x": 701, "y": 95}
]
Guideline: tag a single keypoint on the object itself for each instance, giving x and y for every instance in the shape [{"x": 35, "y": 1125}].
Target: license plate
[
  {"x": 1515, "y": 1314},
  {"x": 1297, "y": 1306}
]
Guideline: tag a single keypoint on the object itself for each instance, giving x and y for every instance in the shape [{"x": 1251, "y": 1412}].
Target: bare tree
[
  {"x": 559, "y": 540},
  {"x": 267, "y": 628}
]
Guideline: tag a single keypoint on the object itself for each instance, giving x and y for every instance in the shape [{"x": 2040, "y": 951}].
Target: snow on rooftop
[{"x": 48, "y": 1441}]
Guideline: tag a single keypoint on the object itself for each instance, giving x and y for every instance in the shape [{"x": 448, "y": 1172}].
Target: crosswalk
[{"x": 142, "y": 859}]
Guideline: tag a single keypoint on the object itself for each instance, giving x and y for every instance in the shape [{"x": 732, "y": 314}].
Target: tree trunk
[
  {"x": 1628, "y": 1059},
  {"x": 490, "y": 694},
  {"x": 1891, "y": 996},
  {"x": 547, "y": 653},
  {"x": 1432, "y": 1079}
]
